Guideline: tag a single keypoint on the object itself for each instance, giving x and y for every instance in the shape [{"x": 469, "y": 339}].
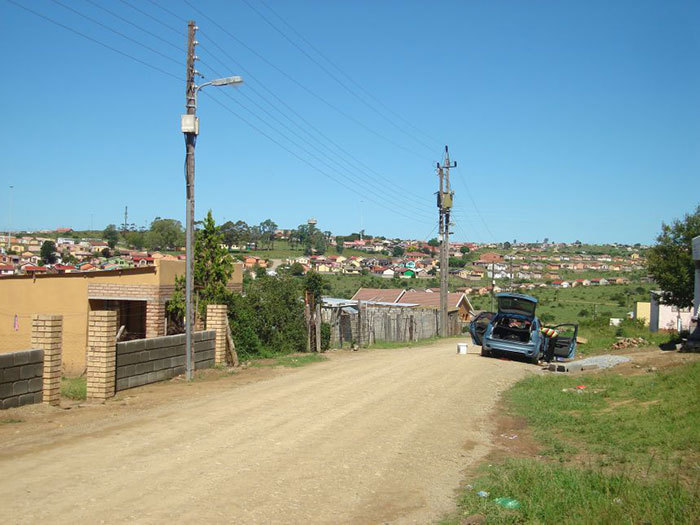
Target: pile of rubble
[{"x": 629, "y": 342}]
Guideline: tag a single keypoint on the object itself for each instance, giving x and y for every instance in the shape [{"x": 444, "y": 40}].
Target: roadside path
[{"x": 367, "y": 437}]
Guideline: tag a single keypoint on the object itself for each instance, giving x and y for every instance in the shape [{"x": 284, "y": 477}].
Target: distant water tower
[{"x": 312, "y": 221}]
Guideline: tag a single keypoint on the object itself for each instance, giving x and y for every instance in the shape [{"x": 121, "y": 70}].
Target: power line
[
  {"x": 354, "y": 162},
  {"x": 299, "y": 157},
  {"x": 171, "y": 13},
  {"x": 338, "y": 147},
  {"x": 116, "y": 15},
  {"x": 115, "y": 31},
  {"x": 302, "y": 86},
  {"x": 94, "y": 40},
  {"x": 476, "y": 209},
  {"x": 173, "y": 76},
  {"x": 333, "y": 76},
  {"x": 390, "y": 192},
  {"x": 349, "y": 77},
  {"x": 319, "y": 159},
  {"x": 151, "y": 16}
]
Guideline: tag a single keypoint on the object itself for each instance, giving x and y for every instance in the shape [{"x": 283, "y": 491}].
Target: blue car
[{"x": 515, "y": 329}]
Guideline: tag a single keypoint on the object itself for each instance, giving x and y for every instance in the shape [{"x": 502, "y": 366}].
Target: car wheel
[
  {"x": 535, "y": 359},
  {"x": 485, "y": 353}
]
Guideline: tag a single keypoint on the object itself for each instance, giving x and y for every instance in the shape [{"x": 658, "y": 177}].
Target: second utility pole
[{"x": 444, "y": 202}]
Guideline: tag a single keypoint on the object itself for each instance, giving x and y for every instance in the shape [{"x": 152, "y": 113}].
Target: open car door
[
  {"x": 565, "y": 346},
  {"x": 478, "y": 326}
]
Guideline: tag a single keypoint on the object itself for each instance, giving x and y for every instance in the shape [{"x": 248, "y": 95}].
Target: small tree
[
  {"x": 165, "y": 234},
  {"x": 296, "y": 269},
  {"x": 105, "y": 253},
  {"x": 670, "y": 261},
  {"x": 111, "y": 235},
  {"x": 213, "y": 267},
  {"x": 397, "y": 251},
  {"x": 315, "y": 285},
  {"x": 68, "y": 258},
  {"x": 48, "y": 252}
]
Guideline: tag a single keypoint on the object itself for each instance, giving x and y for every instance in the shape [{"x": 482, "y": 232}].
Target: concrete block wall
[
  {"x": 147, "y": 361},
  {"x": 21, "y": 378}
]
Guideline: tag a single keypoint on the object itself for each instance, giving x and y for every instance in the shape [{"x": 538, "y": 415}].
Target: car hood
[{"x": 513, "y": 303}]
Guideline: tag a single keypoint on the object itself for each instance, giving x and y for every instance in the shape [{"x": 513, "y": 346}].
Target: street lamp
[{"x": 189, "y": 124}]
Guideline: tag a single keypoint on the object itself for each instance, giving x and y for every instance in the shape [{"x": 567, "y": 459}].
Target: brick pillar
[
  {"x": 101, "y": 354},
  {"x": 217, "y": 320},
  {"x": 47, "y": 335},
  {"x": 155, "y": 319}
]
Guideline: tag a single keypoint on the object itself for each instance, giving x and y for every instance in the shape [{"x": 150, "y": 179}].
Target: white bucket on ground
[{"x": 461, "y": 348}]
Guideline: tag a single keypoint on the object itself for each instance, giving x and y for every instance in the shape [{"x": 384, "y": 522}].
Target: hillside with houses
[{"x": 475, "y": 268}]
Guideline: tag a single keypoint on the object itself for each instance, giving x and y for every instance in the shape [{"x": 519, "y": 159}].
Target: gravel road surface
[{"x": 367, "y": 437}]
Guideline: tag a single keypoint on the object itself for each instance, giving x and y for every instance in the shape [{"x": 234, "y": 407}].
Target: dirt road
[{"x": 368, "y": 437}]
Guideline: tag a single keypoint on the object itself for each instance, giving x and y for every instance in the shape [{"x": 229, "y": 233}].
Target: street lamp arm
[{"x": 225, "y": 81}]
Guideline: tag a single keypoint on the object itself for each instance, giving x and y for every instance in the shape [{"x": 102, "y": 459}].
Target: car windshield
[{"x": 516, "y": 305}]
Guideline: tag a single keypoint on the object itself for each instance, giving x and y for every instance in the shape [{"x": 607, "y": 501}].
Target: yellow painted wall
[
  {"x": 643, "y": 312},
  {"x": 66, "y": 295}
]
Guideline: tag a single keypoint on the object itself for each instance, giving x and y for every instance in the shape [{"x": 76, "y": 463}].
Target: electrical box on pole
[{"x": 189, "y": 124}]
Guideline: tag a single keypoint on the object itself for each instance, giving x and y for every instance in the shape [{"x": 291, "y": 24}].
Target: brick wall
[
  {"x": 47, "y": 335},
  {"x": 144, "y": 292},
  {"x": 102, "y": 335},
  {"x": 155, "y": 318},
  {"x": 217, "y": 320},
  {"x": 21, "y": 378},
  {"x": 150, "y": 360}
]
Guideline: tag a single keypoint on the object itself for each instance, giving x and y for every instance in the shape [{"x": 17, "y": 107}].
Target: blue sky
[{"x": 568, "y": 120}]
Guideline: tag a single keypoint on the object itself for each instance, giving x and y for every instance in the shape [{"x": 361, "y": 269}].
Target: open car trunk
[{"x": 512, "y": 329}]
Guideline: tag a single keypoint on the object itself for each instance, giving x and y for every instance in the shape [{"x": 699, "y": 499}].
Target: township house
[
  {"x": 456, "y": 301},
  {"x": 138, "y": 295}
]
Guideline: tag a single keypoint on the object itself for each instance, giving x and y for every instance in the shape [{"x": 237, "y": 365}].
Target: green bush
[
  {"x": 325, "y": 336},
  {"x": 269, "y": 319}
]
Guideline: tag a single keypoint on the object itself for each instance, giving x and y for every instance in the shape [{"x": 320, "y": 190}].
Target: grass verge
[
  {"x": 624, "y": 449},
  {"x": 74, "y": 388}
]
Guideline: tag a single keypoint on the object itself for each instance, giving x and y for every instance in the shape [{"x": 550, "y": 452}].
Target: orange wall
[{"x": 65, "y": 295}]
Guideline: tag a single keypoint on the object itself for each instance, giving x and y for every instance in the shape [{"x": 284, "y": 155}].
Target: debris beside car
[
  {"x": 629, "y": 342},
  {"x": 590, "y": 363}
]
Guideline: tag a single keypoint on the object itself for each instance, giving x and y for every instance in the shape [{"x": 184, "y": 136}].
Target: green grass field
[
  {"x": 581, "y": 302},
  {"x": 622, "y": 450}
]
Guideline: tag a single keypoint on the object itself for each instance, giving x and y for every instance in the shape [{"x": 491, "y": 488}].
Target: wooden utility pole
[
  {"x": 444, "y": 202},
  {"x": 190, "y": 129}
]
